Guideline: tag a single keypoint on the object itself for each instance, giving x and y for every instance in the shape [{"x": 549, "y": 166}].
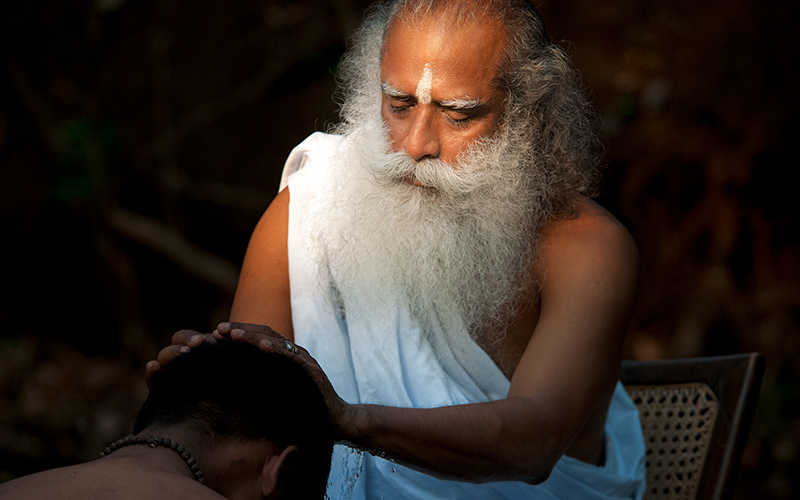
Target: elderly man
[
  {"x": 200, "y": 436},
  {"x": 440, "y": 257}
]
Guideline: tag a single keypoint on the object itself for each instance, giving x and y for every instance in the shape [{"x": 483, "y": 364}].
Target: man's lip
[{"x": 412, "y": 179}]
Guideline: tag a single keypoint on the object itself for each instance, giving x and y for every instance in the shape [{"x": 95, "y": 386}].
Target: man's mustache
[{"x": 458, "y": 179}]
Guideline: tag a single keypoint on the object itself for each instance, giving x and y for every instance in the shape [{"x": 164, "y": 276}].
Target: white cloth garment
[{"x": 385, "y": 359}]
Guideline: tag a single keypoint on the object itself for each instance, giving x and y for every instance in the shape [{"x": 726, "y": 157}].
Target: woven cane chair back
[
  {"x": 695, "y": 415},
  {"x": 677, "y": 421}
]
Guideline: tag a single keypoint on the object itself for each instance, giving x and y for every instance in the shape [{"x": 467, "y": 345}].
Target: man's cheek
[{"x": 395, "y": 138}]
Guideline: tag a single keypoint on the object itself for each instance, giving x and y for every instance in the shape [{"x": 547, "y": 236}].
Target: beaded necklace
[{"x": 153, "y": 442}]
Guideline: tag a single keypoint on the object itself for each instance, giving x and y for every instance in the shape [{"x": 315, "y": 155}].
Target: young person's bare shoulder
[{"x": 103, "y": 479}]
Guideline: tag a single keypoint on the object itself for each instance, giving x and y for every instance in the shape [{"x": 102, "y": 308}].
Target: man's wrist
[{"x": 352, "y": 428}]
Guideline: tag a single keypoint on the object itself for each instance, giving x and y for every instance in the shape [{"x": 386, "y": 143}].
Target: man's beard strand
[{"x": 458, "y": 249}]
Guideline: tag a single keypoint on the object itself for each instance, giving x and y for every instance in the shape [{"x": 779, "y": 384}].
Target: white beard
[{"x": 458, "y": 250}]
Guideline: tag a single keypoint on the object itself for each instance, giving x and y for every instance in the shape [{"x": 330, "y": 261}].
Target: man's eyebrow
[
  {"x": 461, "y": 104},
  {"x": 394, "y": 92},
  {"x": 458, "y": 104}
]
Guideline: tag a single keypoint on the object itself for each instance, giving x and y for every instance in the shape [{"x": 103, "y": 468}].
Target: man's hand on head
[
  {"x": 268, "y": 340},
  {"x": 182, "y": 341}
]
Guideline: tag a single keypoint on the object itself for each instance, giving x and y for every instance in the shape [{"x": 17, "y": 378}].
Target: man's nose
[{"x": 422, "y": 140}]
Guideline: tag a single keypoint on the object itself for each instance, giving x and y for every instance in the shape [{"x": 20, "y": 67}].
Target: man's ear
[{"x": 272, "y": 481}]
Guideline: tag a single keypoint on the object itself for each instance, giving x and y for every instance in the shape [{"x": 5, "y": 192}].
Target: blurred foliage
[{"x": 140, "y": 142}]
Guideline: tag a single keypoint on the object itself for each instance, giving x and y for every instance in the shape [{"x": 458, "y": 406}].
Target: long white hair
[{"x": 459, "y": 250}]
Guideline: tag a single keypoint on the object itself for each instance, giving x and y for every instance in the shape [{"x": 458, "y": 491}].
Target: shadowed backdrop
[{"x": 141, "y": 141}]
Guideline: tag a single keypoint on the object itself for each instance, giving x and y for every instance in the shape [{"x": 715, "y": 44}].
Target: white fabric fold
[{"x": 379, "y": 356}]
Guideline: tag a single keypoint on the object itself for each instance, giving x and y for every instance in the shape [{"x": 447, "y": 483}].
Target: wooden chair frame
[{"x": 735, "y": 381}]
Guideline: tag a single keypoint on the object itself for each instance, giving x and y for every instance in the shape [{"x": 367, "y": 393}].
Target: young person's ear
[{"x": 272, "y": 479}]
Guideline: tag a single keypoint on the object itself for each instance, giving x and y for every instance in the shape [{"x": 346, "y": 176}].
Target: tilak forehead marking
[{"x": 424, "y": 85}]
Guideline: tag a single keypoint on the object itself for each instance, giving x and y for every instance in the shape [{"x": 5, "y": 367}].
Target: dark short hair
[{"x": 234, "y": 391}]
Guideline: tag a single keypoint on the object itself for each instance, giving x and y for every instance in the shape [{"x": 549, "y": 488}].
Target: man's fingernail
[
  {"x": 185, "y": 349},
  {"x": 238, "y": 332},
  {"x": 224, "y": 325}
]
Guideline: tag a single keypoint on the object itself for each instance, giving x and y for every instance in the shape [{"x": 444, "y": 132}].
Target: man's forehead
[
  {"x": 432, "y": 60},
  {"x": 424, "y": 90}
]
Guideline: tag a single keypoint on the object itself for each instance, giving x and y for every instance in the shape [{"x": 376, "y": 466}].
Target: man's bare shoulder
[
  {"x": 588, "y": 246},
  {"x": 590, "y": 230}
]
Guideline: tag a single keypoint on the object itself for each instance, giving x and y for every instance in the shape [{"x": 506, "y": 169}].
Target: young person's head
[{"x": 209, "y": 390}]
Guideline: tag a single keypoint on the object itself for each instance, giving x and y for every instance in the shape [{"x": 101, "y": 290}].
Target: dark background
[{"x": 141, "y": 140}]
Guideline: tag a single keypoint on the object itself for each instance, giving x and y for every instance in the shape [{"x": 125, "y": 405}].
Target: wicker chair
[{"x": 695, "y": 415}]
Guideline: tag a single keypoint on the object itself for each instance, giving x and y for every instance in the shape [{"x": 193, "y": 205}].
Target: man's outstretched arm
[{"x": 567, "y": 372}]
